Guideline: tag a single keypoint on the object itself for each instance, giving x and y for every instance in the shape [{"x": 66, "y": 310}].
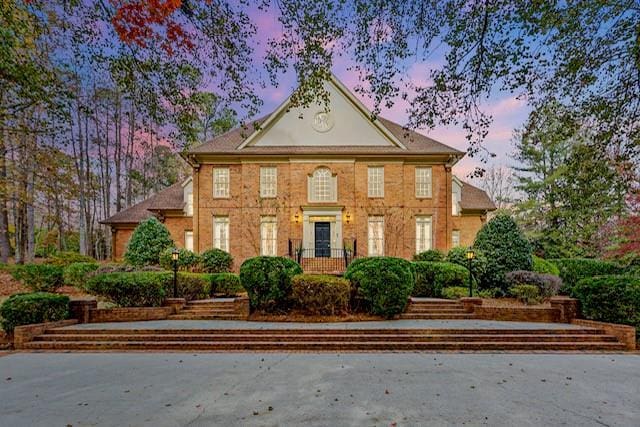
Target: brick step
[
  {"x": 206, "y": 316},
  {"x": 435, "y": 302},
  {"x": 436, "y": 316},
  {"x": 337, "y": 337},
  {"x": 322, "y": 346},
  {"x": 436, "y": 310},
  {"x": 311, "y": 331},
  {"x": 211, "y": 306},
  {"x": 206, "y": 310}
]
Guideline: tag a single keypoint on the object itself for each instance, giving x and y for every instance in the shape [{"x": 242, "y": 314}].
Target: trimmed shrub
[
  {"x": 76, "y": 274},
  {"x": 431, "y": 277},
  {"x": 226, "y": 284},
  {"x": 383, "y": 284},
  {"x": 191, "y": 286},
  {"x": 187, "y": 260},
  {"x": 27, "y": 309},
  {"x": 433, "y": 255},
  {"x": 541, "y": 265},
  {"x": 267, "y": 280},
  {"x": 148, "y": 241},
  {"x": 572, "y": 270},
  {"x": 548, "y": 284},
  {"x": 320, "y": 294},
  {"x": 138, "y": 289},
  {"x": 125, "y": 268},
  {"x": 528, "y": 294},
  {"x": 613, "y": 298},
  {"x": 67, "y": 258},
  {"x": 479, "y": 263},
  {"x": 216, "y": 261},
  {"x": 39, "y": 277},
  {"x": 506, "y": 250},
  {"x": 455, "y": 292}
]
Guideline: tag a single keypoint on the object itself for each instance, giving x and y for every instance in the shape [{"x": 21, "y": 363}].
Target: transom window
[
  {"x": 220, "y": 182},
  {"x": 376, "y": 236},
  {"x": 423, "y": 181},
  {"x": 268, "y": 181},
  {"x": 376, "y": 181},
  {"x": 221, "y": 233},
  {"x": 322, "y": 186},
  {"x": 423, "y": 233},
  {"x": 268, "y": 236}
]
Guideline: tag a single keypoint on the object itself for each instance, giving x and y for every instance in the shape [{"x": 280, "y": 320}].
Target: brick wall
[{"x": 176, "y": 225}]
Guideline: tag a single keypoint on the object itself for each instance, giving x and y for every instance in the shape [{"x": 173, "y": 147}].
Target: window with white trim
[
  {"x": 221, "y": 233},
  {"x": 375, "y": 179},
  {"x": 189, "y": 207},
  {"x": 322, "y": 186},
  {"x": 423, "y": 233},
  {"x": 456, "y": 197},
  {"x": 268, "y": 236},
  {"x": 188, "y": 240},
  {"x": 423, "y": 181},
  {"x": 221, "y": 182},
  {"x": 268, "y": 181},
  {"x": 455, "y": 238},
  {"x": 376, "y": 236}
]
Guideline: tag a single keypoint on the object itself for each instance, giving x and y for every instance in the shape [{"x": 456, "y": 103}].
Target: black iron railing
[{"x": 322, "y": 260}]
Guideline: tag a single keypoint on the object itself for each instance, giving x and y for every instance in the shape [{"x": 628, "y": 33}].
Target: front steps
[
  {"x": 431, "y": 308},
  {"x": 473, "y": 339},
  {"x": 212, "y": 309}
]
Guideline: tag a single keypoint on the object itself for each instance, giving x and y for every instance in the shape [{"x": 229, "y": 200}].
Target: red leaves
[{"x": 140, "y": 21}]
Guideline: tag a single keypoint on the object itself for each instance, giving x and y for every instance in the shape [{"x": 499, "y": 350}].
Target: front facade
[{"x": 318, "y": 185}]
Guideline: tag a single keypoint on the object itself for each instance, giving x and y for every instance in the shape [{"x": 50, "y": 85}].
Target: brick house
[{"x": 320, "y": 185}]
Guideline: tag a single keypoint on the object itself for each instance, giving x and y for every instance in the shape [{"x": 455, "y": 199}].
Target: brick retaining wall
[
  {"x": 626, "y": 334},
  {"x": 129, "y": 314},
  {"x": 518, "y": 314}
]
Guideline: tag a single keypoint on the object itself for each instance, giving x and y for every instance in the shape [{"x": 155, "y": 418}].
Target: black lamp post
[
  {"x": 470, "y": 256},
  {"x": 174, "y": 257}
]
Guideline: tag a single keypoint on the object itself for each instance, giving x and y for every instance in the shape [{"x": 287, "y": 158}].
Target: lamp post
[
  {"x": 174, "y": 257},
  {"x": 470, "y": 256}
]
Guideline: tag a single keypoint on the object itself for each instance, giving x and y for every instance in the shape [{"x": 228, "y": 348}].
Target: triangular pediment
[{"x": 346, "y": 122}]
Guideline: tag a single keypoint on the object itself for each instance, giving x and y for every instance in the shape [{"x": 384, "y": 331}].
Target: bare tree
[{"x": 499, "y": 184}]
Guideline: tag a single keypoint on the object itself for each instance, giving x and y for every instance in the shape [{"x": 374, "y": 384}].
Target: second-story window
[
  {"x": 375, "y": 179},
  {"x": 322, "y": 186},
  {"x": 189, "y": 207},
  {"x": 268, "y": 181},
  {"x": 423, "y": 182},
  {"x": 220, "y": 182}
]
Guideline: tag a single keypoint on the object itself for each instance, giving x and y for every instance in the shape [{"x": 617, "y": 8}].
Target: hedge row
[
  {"x": 38, "y": 307},
  {"x": 432, "y": 277},
  {"x": 320, "y": 294},
  {"x": 572, "y": 270}
]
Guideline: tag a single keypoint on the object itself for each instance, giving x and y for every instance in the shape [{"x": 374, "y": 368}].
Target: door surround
[{"x": 330, "y": 214}]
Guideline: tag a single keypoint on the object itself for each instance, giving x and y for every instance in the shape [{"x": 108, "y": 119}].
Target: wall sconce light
[
  {"x": 296, "y": 218},
  {"x": 347, "y": 218}
]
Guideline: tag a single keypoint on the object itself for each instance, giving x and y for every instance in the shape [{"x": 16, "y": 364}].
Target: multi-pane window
[
  {"x": 322, "y": 186},
  {"x": 455, "y": 238},
  {"x": 268, "y": 181},
  {"x": 376, "y": 236},
  {"x": 188, "y": 240},
  {"x": 268, "y": 236},
  {"x": 221, "y": 182},
  {"x": 423, "y": 233},
  {"x": 189, "y": 207},
  {"x": 221, "y": 233},
  {"x": 376, "y": 181},
  {"x": 423, "y": 181}
]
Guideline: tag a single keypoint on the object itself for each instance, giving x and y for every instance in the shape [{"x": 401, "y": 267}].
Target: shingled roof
[
  {"x": 415, "y": 143},
  {"x": 474, "y": 198},
  {"x": 171, "y": 198}
]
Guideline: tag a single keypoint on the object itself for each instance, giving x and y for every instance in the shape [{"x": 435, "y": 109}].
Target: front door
[{"x": 323, "y": 239}]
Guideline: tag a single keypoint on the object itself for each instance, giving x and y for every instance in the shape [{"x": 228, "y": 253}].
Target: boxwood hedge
[
  {"x": 39, "y": 277},
  {"x": 320, "y": 294},
  {"x": 38, "y": 307},
  {"x": 572, "y": 270},
  {"x": 267, "y": 280}
]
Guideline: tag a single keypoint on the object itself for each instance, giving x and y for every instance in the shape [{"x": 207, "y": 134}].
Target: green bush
[
  {"x": 67, "y": 258},
  {"x": 528, "y": 294},
  {"x": 541, "y": 265},
  {"x": 548, "y": 284},
  {"x": 572, "y": 270},
  {"x": 267, "y": 280},
  {"x": 138, "y": 289},
  {"x": 148, "y": 241},
  {"x": 479, "y": 264},
  {"x": 433, "y": 255},
  {"x": 187, "y": 260},
  {"x": 191, "y": 286},
  {"x": 39, "y": 277},
  {"x": 125, "y": 268},
  {"x": 613, "y": 298},
  {"x": 27, "y": 309},
  {"x": 431, "y": 277},
  {"x": 226, "y": 284},
  {"x": 383, "y": 284},
  {"x": 506, "y": 250},
  {"x": 455, "y": 292},
  {"x": 216, "y": 261},
  {"x": 76, "y": 274},
  {"x": 320, "y": 294}
]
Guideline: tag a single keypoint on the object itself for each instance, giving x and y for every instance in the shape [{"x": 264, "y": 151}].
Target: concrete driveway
[{"x": 139, "y": 389}]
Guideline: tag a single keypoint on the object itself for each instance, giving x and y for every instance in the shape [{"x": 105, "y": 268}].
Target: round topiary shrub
[
  {"x": 320, "y": 294},
  {"x": 226, "y": 284},
  {"x": 479, "y": 263},
  {"x": 506, "y": 250},
  {"x": 187, "y": 260},
  {"x": 216, "y": 261},
  {"x": 39, "y": 277},
  {"x": 267, "y": 280},
  {"x": 432, "y": 277},
  {"x": 430, "y": 255},
  {"x": 148, "y": 241},
  {"x": 541, "y": 265},
  {"x": 76, "y": 274},
  {"x": 382, "y": 283},
  {"x": 27, "y": 309}
]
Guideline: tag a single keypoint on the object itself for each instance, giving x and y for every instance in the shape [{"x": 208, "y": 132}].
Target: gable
[{"x": 346, "y": 122}]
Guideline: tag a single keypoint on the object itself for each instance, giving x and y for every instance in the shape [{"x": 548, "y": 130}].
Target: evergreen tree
[{"x": 148, "y": 241}]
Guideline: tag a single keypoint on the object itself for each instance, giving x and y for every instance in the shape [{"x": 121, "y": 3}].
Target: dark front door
[{"x": 323, "y": 239}]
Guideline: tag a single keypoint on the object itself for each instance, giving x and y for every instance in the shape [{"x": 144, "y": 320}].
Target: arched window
[{"x": 322, "y": 186}]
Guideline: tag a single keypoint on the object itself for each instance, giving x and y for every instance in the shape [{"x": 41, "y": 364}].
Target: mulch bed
[{"x": 303, "y": 317}]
